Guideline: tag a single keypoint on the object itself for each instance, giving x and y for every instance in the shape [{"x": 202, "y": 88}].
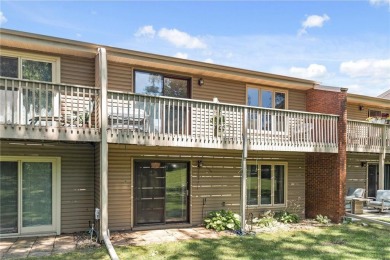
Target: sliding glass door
[
  {"x": 161, "y": 192},
  {"x": 27, "y": 196}
]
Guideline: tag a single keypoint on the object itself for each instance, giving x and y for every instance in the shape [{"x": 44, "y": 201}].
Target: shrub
[
  {"x": 286, "y": 217},
  {"x": 265, "y": 222},
  {"x": 222, "y": 220},
  {"x": 322, "y": 219}
]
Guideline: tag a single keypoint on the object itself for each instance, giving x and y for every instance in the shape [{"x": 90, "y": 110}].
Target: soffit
[{"x": 368, "y": 101}]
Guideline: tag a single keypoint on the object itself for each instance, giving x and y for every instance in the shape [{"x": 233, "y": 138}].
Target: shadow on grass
[{"x": 338, "y": 242}]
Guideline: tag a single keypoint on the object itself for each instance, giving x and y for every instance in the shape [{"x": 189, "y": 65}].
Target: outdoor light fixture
[
  {"x": 200, "y": 82},
  {"x": 200, "y": 164},
  {"x": 363, "y": 164},
  {"x": 155, "y": 165},
  {"x": 361, "y": 107}
]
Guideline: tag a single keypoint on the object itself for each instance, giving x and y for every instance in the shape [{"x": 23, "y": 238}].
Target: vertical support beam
[
  {"x": 243, "y": 167},
  {"x": 102, "y": 80},
  {"x": 382, "y": 156}
]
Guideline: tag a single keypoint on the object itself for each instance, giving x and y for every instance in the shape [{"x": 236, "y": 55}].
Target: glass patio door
[
  {"x": 26, "y": 197},
  {"x": 372, "y": 180},
  {"x": 161, "y": 192}
]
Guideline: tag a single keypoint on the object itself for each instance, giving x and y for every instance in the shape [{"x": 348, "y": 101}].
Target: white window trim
[
  {"x": 56, "y": 61},
  {"x": 273, "y": 90},
  {"x": 272, "y": 163},
  {"x": 56, "y": 194}
]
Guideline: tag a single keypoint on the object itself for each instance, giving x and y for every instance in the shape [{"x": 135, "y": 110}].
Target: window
[
  {"x": 161, "y": 85},
  {"x": 170, "y": 117},
  {"x": 265, "y": 120},
  {"x": 266, "y": 98},
  {"x": 27, "y": 66},
  {"x": 266, "y": 184}
]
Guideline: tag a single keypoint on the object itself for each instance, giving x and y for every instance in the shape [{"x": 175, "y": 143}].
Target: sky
[{"x": 336, "y": 43}]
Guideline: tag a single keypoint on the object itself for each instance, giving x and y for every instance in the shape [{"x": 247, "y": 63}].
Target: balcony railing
[
  {"x": 151, "y": 120},
  {"x": 367, "y": 137},
  {"x": 42, "y": 110}
]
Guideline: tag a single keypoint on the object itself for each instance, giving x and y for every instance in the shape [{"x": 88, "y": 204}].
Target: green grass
[{"x": 335, "y": 242}]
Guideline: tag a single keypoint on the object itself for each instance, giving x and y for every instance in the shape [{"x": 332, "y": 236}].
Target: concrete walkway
[{"x": 162, "y": 235}]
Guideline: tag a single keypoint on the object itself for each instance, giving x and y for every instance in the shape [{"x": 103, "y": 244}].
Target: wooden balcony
[
  {"x": 31, "y": 110},
  {"x": 367, "y": 137},
  {"x": 45, "y": 111},
  {"x": 163, "y": 121}
]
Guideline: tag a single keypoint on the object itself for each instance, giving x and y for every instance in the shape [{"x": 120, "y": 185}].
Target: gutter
[{"x": 110, "y": 248}]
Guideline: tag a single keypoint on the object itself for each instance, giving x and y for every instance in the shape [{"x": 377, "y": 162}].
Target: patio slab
[{"x": 25, "y": 247}]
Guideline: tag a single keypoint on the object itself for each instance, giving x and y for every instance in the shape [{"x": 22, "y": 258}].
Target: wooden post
[
  {"x": 381, "y": 162},
  {"x": 243, "y": 167}
]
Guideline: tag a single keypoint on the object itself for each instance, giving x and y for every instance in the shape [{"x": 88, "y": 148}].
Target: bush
[
  {"x": 264, "y": 222},
  {"x": 286, "y": 217},
  {"x": 222, "y": 220},
  {"x": 322, "y": 219}
]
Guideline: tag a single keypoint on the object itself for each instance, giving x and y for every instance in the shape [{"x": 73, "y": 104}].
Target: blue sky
[{"x": 337, "y": 43}]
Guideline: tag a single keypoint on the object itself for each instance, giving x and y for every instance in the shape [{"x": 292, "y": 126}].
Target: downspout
[
  {"x": 102, "y": 83},
  {"x": 382, "y": 157},
  {"x": 243, "y": 172}
]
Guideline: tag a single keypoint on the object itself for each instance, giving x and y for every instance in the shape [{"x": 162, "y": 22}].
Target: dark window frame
[{"x": 164, "y": 75}]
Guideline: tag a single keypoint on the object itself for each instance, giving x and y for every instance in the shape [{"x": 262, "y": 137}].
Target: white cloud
[
  {"x": 181, "y": 39},
  {"x": 209, "y": 60},
  {"x": 3, "y": 19},
  {"x": 181, "y": 55},
  {"x": 366, "y": 68},
  {"x": 379, "y": 2},
  {"x": 312, "y": 71},
  {"x": 78, "y": 35},
  {"x": 146, "y": 31},
  {"x": 313, "y": 21}
]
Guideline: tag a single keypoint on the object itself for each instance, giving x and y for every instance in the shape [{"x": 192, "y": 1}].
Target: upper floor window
[
  {"x": 151, "y": 83},
  {"x": 29, "y": 67},
  {"x": 266, "y": 98}
]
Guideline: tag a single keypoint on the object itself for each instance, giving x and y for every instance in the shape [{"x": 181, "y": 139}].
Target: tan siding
[
  {"x": 296, "y": 100},
  {"x": 78, "y": 71},
  {"x": 356, "y": 174},
  {"x": 77, "y": 179},
  {"x": 97, "y": 175},
  {"x": 120, "y": 77},
  {"x": 355, "y": 113},
  {"x": 218, "y": 181},
  {"x": 225, "y": 91}
]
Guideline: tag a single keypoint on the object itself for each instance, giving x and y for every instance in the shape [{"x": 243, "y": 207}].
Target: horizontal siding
[
  {"x": 119, "y": 77},
  {"x": 296, "y": 100},
  {"x": 77, "y": 179},
  {"x": 356, "y": 174},
  {"x": 97, "y": 176},
  {"x": 226, "y": 91},
  {"x": 215, "y": 184},
  {"x": 77, "y": 71},
  {"x": 355, "y": 114}
]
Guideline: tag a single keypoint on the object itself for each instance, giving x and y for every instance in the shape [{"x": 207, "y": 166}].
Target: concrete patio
[{"x": 26, "y": 247}]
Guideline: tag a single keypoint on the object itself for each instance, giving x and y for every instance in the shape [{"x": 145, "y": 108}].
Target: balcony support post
[
  {"x": 243, "y": 173},
  {"x": 382, "y": 156}
]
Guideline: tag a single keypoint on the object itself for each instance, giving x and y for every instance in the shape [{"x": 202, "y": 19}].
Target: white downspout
[
  {"x": 243, "y": 174},
  {"x": 102, "y": 80}
]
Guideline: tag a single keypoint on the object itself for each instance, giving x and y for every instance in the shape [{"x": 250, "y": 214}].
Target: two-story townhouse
[
  {"x": 152, "y": 140},
  {"x": 368, "y": 135}
]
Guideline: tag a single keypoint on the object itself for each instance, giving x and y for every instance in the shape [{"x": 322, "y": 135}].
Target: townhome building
[{"x": 133, "y": 140}]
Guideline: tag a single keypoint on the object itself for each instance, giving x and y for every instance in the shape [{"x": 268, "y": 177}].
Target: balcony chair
[
  {"x": 381, "y": 201},
  {"x": 353, "y": 193},
  {"x": 126, "y": 116}
]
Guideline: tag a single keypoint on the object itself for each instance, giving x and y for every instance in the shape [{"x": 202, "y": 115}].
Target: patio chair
[
  {"x": 354, "y": 193},
  {"x": 381, "y": 201},
  {"x": 127, "y": 116}
]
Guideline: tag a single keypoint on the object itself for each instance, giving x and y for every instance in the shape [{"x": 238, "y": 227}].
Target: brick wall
[{"x": 325, "y": 172}]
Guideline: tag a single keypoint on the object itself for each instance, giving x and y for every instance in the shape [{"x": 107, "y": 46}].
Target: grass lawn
[{"x": 336, "y": 242}]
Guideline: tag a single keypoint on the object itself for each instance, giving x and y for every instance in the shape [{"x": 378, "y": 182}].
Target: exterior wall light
[{"x": 200, "y": 82}]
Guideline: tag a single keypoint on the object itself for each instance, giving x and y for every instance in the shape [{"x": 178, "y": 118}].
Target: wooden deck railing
[
  {"x": 151, "y": 120},
  {"x": 367, "y": 137},
  {"x": 63, "y": 111}
]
